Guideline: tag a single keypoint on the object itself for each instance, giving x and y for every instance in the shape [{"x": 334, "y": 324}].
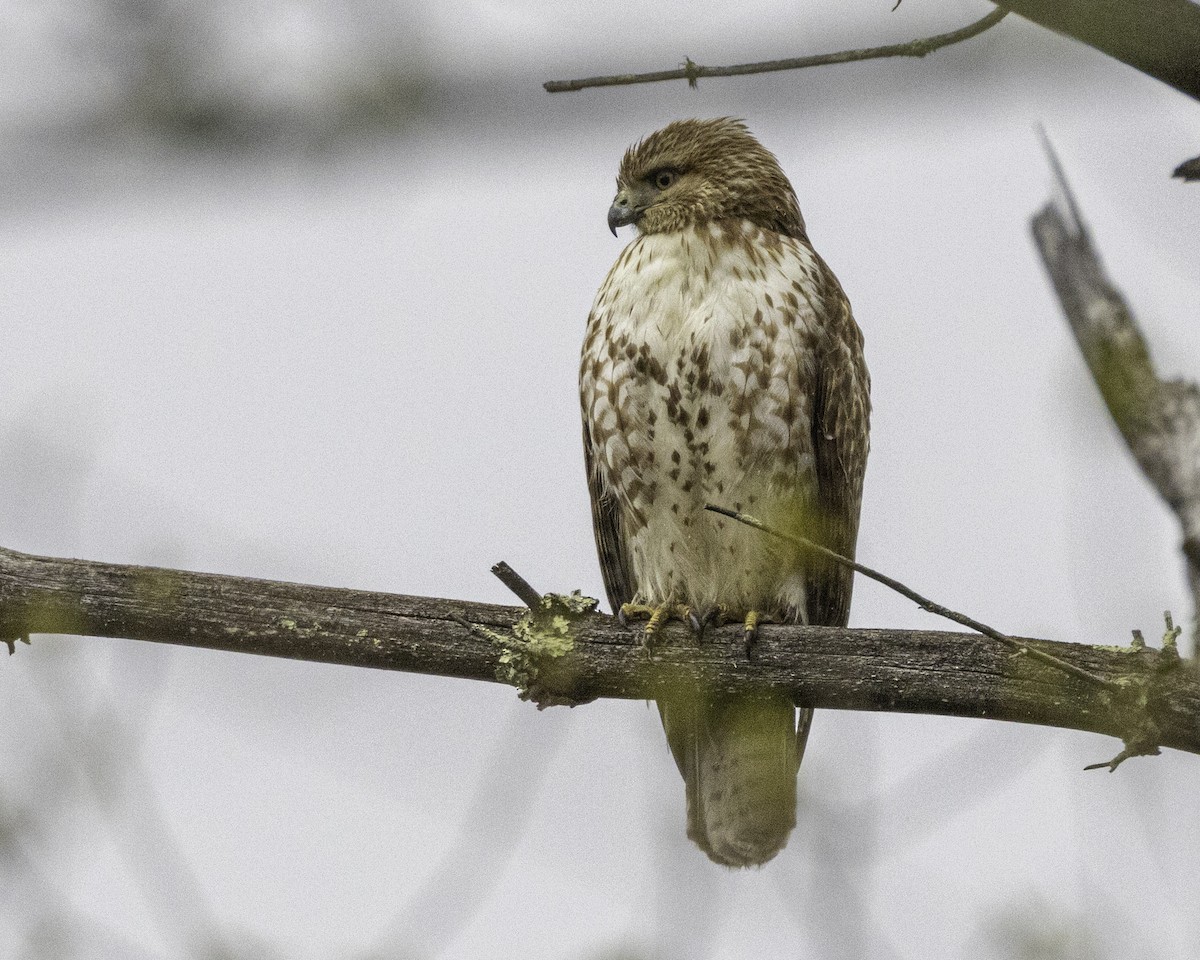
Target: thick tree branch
[
  {"x": 1158, "y": 419},
  {"x": 692, "y": 72},
  {"x": 1161, "y": 38},
  {"x": 951, "y": 674}
]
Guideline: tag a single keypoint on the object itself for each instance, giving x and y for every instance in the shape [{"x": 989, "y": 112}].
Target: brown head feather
[{"x": 699, "y": 171}]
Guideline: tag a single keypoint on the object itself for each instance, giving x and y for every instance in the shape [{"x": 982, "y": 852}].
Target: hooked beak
[{"x": 622, "y": 212}]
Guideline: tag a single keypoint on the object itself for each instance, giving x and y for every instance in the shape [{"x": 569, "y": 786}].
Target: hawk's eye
[{"x": 664, "y": 178}]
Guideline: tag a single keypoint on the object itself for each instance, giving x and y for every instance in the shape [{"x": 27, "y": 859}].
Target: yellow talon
[
  {"x": 656, "y": 618},
  {"x": 657, "y": 615},
  {"x": 750, "y": 632},
  {"x": 634, "y": 610}
]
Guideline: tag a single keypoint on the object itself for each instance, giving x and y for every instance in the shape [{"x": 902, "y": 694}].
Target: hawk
[{"x": 722, "y": 365}]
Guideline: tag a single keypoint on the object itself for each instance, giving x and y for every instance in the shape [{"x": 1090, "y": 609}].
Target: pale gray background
[{"x": 337, "y": 343}]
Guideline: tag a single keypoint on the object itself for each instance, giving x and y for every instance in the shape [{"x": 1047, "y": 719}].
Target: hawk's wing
[
  {"x": 840, "y": 435},
  {"x": 610, "y": 540},
  {"x": 682, "y": 716}
]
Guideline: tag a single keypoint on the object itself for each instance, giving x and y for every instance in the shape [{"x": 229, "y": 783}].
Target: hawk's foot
[
  {"x": 750, "y": 630},
  {"x": 656, "y": 616}
]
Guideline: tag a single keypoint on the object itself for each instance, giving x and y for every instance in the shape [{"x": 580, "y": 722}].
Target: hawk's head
[{"x": 698, "y": 171}]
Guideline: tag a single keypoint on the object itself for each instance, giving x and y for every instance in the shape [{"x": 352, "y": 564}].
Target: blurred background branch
[
  {"x": 1158, "y": 419},
  {"x": 1161, "y": 38},
  {"x": 1189, "y": 170},
  {"x": 301, "y": 75}
]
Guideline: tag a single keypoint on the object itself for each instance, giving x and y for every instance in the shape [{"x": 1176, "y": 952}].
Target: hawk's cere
[{"x": 722, "y": 365}]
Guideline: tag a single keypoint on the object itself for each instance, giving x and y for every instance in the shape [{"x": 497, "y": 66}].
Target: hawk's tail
[{"x": 739, "y": 757}]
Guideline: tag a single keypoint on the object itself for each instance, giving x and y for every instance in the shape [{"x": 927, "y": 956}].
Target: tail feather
[{"x": 739, "y": 757}]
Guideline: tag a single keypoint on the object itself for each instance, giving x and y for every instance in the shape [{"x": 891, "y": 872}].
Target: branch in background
[
  {"x": 100, "y": 747},
  {"x": 1188, "y": 170},
  {"x": 1158, "y": 419},
  {"x": 829, "y": 667},
  {"x": 692, "y": 72},
  {"x": 1161, "y": 38}
]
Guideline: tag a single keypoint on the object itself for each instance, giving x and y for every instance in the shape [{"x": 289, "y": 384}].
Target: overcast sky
[{"x": 357, "y": 366}]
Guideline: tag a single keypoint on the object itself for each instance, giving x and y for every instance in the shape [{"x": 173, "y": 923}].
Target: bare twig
[
  {"x": 517, "y": 584},
  {"x": 11, "y": 642},
  {"x": 923, "y": 602},
  {"x": 1135, "y": 749},
  {"x": 1158, "y": 419},
  {"x": 692, "y": 72}
]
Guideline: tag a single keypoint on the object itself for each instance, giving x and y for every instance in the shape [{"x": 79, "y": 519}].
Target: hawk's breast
[{"x": 697, "y": 384}]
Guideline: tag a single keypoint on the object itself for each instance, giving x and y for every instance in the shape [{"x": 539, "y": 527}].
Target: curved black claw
[{"x": 705, "y": 619}]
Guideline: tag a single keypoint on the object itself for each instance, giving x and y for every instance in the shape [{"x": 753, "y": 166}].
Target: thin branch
[
  {"x": 929, "y": 672},
  {"x": 517, "y": 584},
  {"x": 124, "y": 796},
  {"x": 692, "y": 72},
  {"x": 492, "y": 825},
  {"x": 1158, "y": 419},
  {"x": 923, "y": 602},
  {"x": 23, "y": 828}
]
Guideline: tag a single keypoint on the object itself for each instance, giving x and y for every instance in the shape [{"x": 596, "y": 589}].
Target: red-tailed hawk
[{"x": 722, "y": 365}]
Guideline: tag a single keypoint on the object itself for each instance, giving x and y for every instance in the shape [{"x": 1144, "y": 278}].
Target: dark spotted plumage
[{"x": 722, "y": 365}]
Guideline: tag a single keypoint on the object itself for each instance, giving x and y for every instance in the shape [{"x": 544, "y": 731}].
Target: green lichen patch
[{"x": 542, "y": 635}]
